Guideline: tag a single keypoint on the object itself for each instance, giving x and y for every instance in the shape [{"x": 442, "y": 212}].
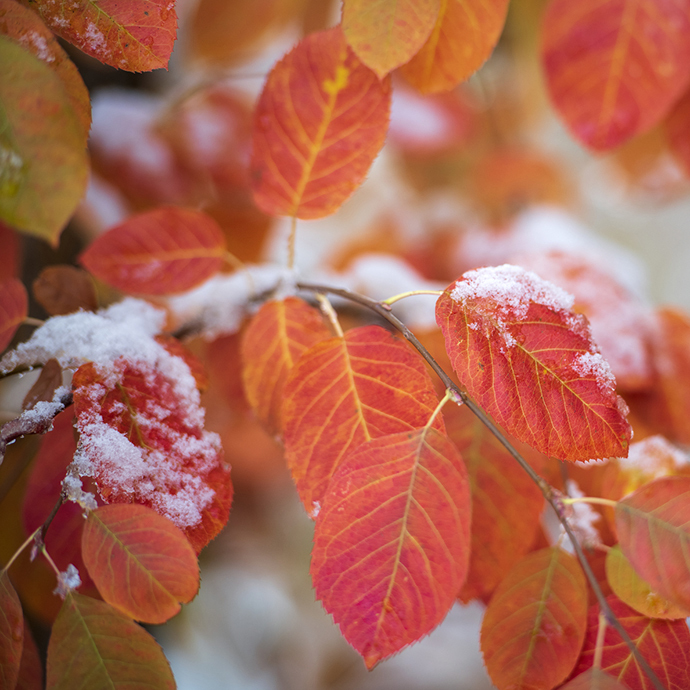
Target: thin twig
[{"x": 552, "y": 497}]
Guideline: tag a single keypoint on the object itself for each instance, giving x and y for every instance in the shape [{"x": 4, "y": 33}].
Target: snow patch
[{"x": 68, "y": 581}]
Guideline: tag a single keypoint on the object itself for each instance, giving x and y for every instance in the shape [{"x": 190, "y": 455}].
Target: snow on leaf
[
  {"x": 530, "y": 362},
  {"x": 14, "y": 304},
  {"x": 391, "y": 544}
]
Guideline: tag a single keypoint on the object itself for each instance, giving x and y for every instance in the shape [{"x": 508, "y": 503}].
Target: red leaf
[
  {"x": 11, "y": 251},
  {"x": 594, "y": 679},
  {"x": 506, "y": 504},
  {"x": 159, "y": 252},
  {"x": 14, "y": 304},
  {"x": 11, "y": 632},
  {"x": 31, "y": 666},
  {"x": 653, "y": 526},
  {"x": 345, "y": 391},
  {"x": 320, "y": 122},
  {"x": 134, "y": 35},
  {"x": 141, "y": 562},
  {"x": 615, "y": 67},
  {"x": 142, "y": 440},
  {"x": 92, "y": 641},
  {"x": 530, "y": 362},
  {"x": 665, "y": 645},
  {"x": 463, "y": 38},
  {"x": 387, "y": 33},
  {"x": 274, "y": 340},
  {"x": 392, "y": 540},
  {"x": 678, "y": 131},
  {"x": 535, "y": 622}
]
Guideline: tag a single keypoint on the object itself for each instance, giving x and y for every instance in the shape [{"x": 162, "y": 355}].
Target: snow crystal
[
  {"x": 654, "y": 457},
  {"x": 74, "y": 490},
  {"x": 593, "y": 364},
  {"x": 95, "y": 40},
  {"x": 67, "y": 581},
  {"x": 39, "y": 45},
  {"x": 581, "y": 519}
]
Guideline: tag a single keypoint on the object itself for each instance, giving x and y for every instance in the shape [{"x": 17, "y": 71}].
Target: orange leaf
[
  {"x": 506, "y": 504},
  {"x": 320, "y": 122},
  {"x": 273, "y": 342},
  {"x": 142, "y": 440},
  {"x": 653, "y": 526},
  {"x": 615, "y": 67},
  {"x": 159, "y": 252},
  {"x": 535, "y": 622},
  {"x": 11, "y": 632},
  {"x": 387, "y": 33},
  {"x": 26, "y": 28},
  {"x": 14, "y": 304},
  {"x": 463, "y": 38},
  {"x": 91, "y": 640},
  {"x": 392, "y": 540},
  {"x": 631, "y": 589},
  {"x": 134, "y": 35},
  {"x": 594, "y": 679},
  {"x": 345, "y": 391},
  {"x": 678, "y": 131},
  {"x": 530, "y": 362},
  {"x": 665, "y": 645},
  {"x": 141, "y": 562},
  {"x": 64, "y": 289}
]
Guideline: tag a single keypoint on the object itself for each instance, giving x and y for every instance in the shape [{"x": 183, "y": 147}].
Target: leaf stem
[
  {"x": 589, "y": 499},
  {"x": 15, "y": 555},
  {"x": 599, "y": 647},
  {"x": 291, "y": 243},
  {"x": 448, "y": 396},
  {"x": 327, "y": 309},
  {"x": 553, "y": 498},
  {"x": 411, "y": 293},
  {"x": 30, "y": 321}
]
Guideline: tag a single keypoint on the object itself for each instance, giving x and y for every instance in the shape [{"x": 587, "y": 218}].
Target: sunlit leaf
[
  {"x": 392, "y": 540},
  {"x": 44, "y": 166},
  {"x": 345, "y": 391},
  {"x": 135, "y": 35},
  {"x": 26, "y": 28},
  {"x": 141, "y": 562},
  {"x": 615, "y": 67},
  {"x": 320, "y": 122},
  {"x": 387, "y": 33},
  {"x": 664, "y": 644},
  {"x": 272, "y": 343},
  {"x": 14, "y": 304},
  {"x": 653, "y": 525},
  {"x": 94, "y": 646},
  {"x": 11, "y": 632},
  {"x": 631, "y": 589},
  {"x": 593, "y": 679},
  {"x": 464, "y": 36},
  {"x": 159, "y": 252},
  {"x": 530, "y": 362},
  {"x": 534, "y": 625}
]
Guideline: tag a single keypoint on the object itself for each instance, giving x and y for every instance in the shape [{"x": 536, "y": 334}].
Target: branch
[{"x": 552, "y": 497}]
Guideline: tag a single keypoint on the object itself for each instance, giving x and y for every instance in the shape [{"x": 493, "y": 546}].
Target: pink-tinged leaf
[
  {"x": 159, "y": 252},
  {"x": 392, "y": 540},
  {"x": 529, "y": 361},
  {"x": 593, "y": 679},
  {"x": 465, "y": 34},
  {"x": 653, "y": 526},
  {"x": 94, "y": 646},
  {"x": 615, "y": 67},
  {"x": 142, "y": 440},
  {"x": 134, "y": 35},
  {"x": 320, "y": 122},
  {"x": 664, "y": 644},
  {"x": 11, "y": 632},
  {"x": 14, "y": 305},
  {"x": 632, "y": 590},
  {"x": 387, "y": 33},
  {"x": 345, "y": 391},
  {"x": 142, "y": 564},
  {"x": 275, "y": 339},
  {"x": 535, "y": 623}
]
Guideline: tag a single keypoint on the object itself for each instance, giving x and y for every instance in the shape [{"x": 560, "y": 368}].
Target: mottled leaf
[
  {"x": 387, "y": 33},
  {"x": 141, "y": 562},
  {"x": 134, "y": 35},
  {"x": 653, "y": 526},
  {"x": 530, "y": 362},
  {"x": 14, "y": 304},
  {"x": 44, "y": 166},
  {"x": 345, "y": 391},
  {"x": 463, "y": 38},
  {"x": 615, "y": 67},
  {"x": 534, "y": 625},
  {"x": 319, "y": 123},
  {"x": 11, "y": 632},
  {"x": 94, "y": 646},
  {"x": 159, "y": 252},
  {"x": 392, "y": 540},
  {"x": 272, "y": 343}
]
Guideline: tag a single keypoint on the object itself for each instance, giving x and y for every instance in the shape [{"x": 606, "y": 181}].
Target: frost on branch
[{"x": 68, "y": 581}]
